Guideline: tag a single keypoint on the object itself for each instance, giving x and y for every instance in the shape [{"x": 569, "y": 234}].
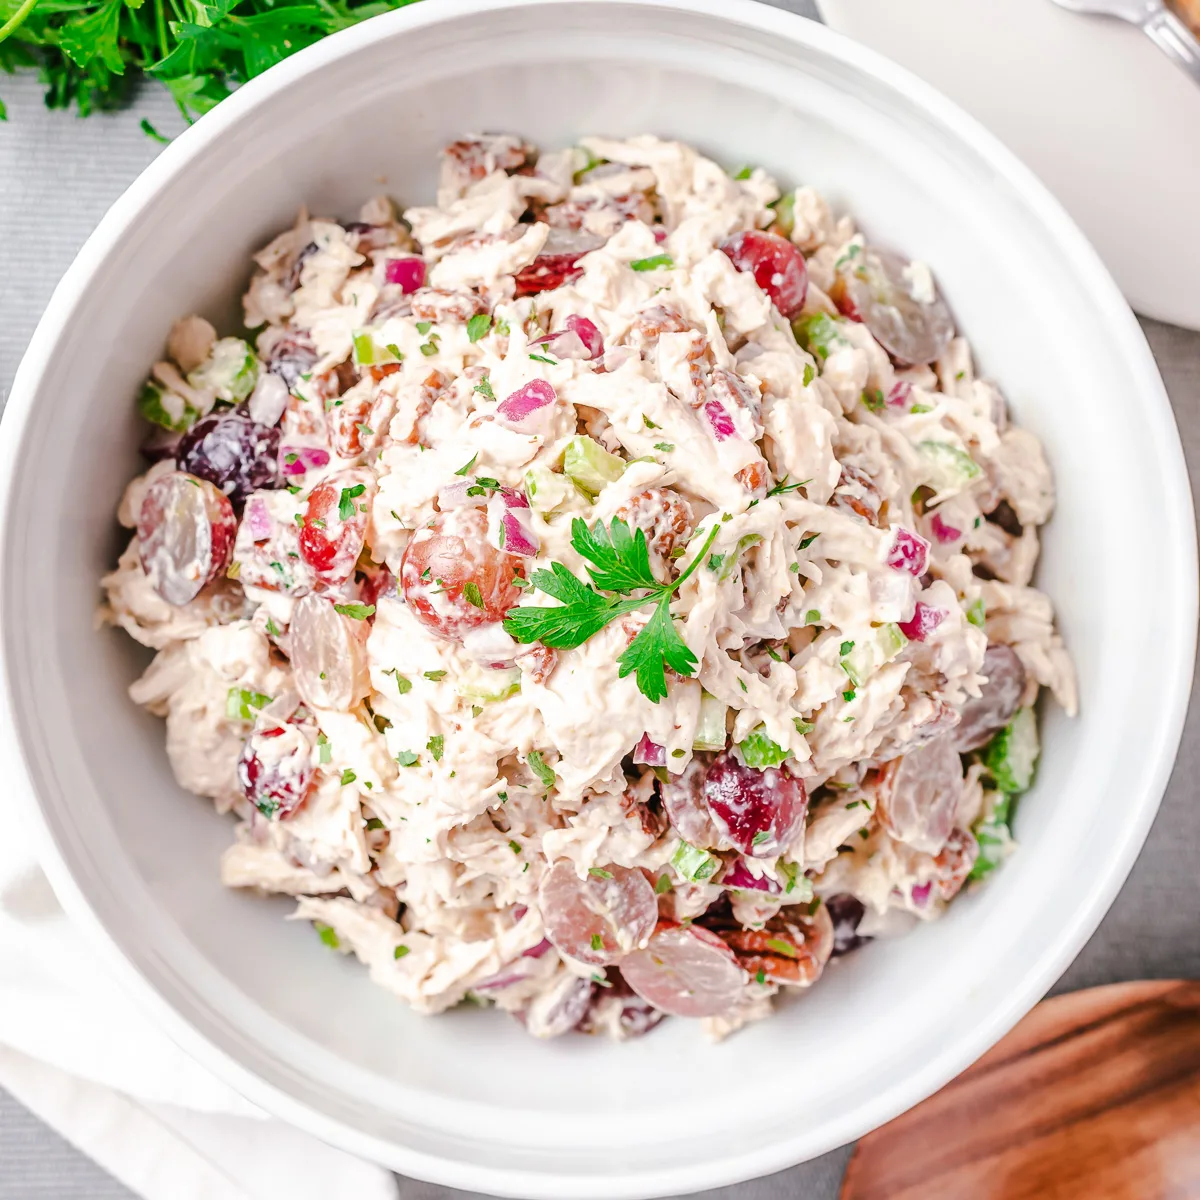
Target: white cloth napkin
[{"x": 75, "y": 1051}]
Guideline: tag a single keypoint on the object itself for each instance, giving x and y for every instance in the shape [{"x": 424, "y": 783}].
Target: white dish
[
  {"x": 1090, "y": 103},
  {"x": 467, "y": 1100}
]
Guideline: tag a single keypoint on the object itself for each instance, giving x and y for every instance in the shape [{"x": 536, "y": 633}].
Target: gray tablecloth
[{"x": 58, "y": 175}]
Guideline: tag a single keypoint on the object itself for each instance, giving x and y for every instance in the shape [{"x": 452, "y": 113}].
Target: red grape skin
[
  {"x": 185, "y": 533},
  {"x": 276, "y": 771},
  {"x": 599, "y": 918},
  {"x": 778, "y": 267},
  {"x": 918, "y": 794},
  {"x": 686, "y": 971},
  {"x": 335, "y": 524},
  {"x": 439, "y": 563}
]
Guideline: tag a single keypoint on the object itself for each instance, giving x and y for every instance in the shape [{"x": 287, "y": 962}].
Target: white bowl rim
[{"x": 1178, "y": 533}]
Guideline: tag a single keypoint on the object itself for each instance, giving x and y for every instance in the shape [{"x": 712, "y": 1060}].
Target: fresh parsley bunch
[
  {"x": 91, "y": 53},
  {"x": 619, "y": 564}
]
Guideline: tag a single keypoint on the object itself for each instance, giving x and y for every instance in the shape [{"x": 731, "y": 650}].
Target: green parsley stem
[{"x": 15, "y": 21}]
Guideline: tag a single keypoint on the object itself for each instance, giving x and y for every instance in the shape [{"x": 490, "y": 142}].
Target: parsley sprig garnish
[
  {"x": 92, "y": 53},
  {"x": 618, "y": 563}
]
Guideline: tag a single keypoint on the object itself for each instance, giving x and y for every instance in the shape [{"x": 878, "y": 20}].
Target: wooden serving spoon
[{"x": 1094, "y": 1095}]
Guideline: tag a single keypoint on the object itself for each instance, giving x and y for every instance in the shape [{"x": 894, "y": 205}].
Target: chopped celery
[
  {"x": 1011, "y": 756},
  {"x": 994, "y": 835},
  {"x": 368, "y": 352},
  {"x": 759, "y": 751},
  {"x": 546, "y": 489},
  {"x": 710, "y": 729},
  {"x": 745, "y": 542},
  {"x": 230, "y": 371},
  {"x": 694, "y": 864},
  {"x": 947, "y": 468},
  {"x": 862, "y": 659},
  {"x": 591, "y": 466},
  {"x": 486, "y": 686},
  {"x": 240, "y": 703},
  {"x": 161, "y": 406},
  {"x": 977, "y": 613},
  {"x": 785, "y": 214},
  {"x": 796, "y": 884},
  {"x": 819, "y": 333}
]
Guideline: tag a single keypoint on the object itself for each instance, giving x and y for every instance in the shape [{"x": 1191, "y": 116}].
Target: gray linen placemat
[{"x": 57, "y": 177}]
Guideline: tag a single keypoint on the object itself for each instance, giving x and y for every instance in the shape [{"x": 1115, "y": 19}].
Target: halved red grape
[
  {"x": 276, "y": 770},
  {"x": 600, "y": 918},
  {"x": 882, "y": 290},
  {"x": 453, "y": 578},
  {"x": 683, "y": 798},
  {"x": 237, "y": 454},
  {"x": 846, "y": 912},
  {"x": 686, "y": 971},
  {"x": 758, "y": 811},
  {"x": 998, "y": 700},
  {"x": 185, "y": 531},
  {"x": 778, "y": 267},
  {"x": 918, "y": 794},
  {"x": 335, "y": 524},
  {"x": 557, "y": 263},
  {"x": 328, "y": 655}
]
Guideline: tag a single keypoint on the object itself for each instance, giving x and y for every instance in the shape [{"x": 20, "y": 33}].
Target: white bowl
[{"x": 469, "y": 1099}]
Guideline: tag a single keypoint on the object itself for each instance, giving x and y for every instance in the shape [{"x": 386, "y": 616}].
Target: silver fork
[{"x": 1155, "y": 20}]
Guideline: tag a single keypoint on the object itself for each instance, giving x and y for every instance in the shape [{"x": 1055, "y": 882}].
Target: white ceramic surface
[
  {"x": 1090, "y": 103},
  {"x": 467, "y": 1098}
]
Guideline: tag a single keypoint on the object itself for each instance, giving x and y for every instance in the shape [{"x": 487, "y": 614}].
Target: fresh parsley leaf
[
  {"x": 423, "y": 327},
  {"x": 663, "y": 885},
  {"x": 515, "y": 847},
  {"x": 782, "y": 947},
  {"x": 478, "y": 326},
  {"x": 812, "y": 617},
  {"x": 665, "y": 447},
  {"x": 435, "y": 676},
  {"x": 808, "y": 541},
  {"x": 400, "y": 951},
  {"x": 467, "y": 465},
  {"x": 597, "y": 942},
  {"x": 357, "y": 612},
  {"x": 436, "y": 746},
  {"x": 656, "y": 646},
  {"x": 542, "y": 358},
  {"x": 327, "y": 935},
  {"x": 484, "y": 388},
  {"x": 472, "y": 594},
  {"x": 348, "y": 777},
  {"x": 240, "y": 703},
  {"x": 873, "y": 399},
  {"x": 346, "y": 501},
  {"x": 599, "y": 873},
  {"x": 538, "y": 765},
  {"x": 620, "y": 557},
  {"x": 809, "y": 374}
]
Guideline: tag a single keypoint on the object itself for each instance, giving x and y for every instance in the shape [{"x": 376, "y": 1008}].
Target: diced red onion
[
  {"x": 269, "y": 399},
  {"x": 510, "y": 524},
  {"x": 660, "y": 235},
  {"x": 518, "y": 912},
  {"x": 900, "y": 394},
  {"x": 518, "y": 539},
  {"x": 537, "y": 951},
  {"x": 908, "y": 552},
  {"x": 925, "y": 619},
  {"x": 520, "y": 410},
  {"x": 740, "y": 878},
  {"x": 588, "y": 334},
  {"x": 720, "y": 422},
  {"x": 257, "y": 518},
  {"x": 495, "y": 982},
  {"x": 408, "y": 272},
  {"x": 649, "y": 753},
  {"x": 296, "y": 460},
  {"x": 513, "y": 498},
  {"x": 943, "y": 532},
  {"x": 920, "y": 894},
  {"x": 563, "y": 344}
]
